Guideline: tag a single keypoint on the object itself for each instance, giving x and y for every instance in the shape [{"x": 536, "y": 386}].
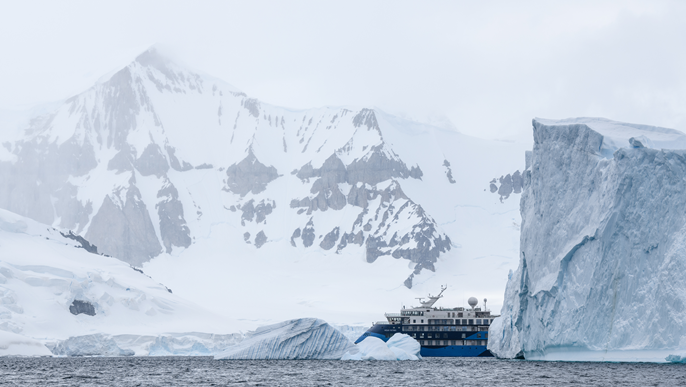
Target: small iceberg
[
  {"x": 676, "y": 359},
  {"x": 398, "y": 347},
  {"x": 305, "y": 338}
]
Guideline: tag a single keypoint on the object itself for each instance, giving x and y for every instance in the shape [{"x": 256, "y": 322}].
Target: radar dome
[{"x": 473, "y": 301}]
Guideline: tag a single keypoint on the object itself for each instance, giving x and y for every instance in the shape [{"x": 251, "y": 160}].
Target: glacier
[
  {"x": 305, "y": 338},
  {"x": 13, "y": 344},
  {"x": 57, "y": 293},
  {"x": 399, "y": 347},
  {"x": 602, "y": 246}
]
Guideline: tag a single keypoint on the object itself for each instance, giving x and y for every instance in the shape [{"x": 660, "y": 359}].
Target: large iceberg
[
  {"x": 602, "y": 248},
  {"x": 305, "y": 338},
  {"x": 90, "y": 345},
  {"x": 398, "y": 347}
]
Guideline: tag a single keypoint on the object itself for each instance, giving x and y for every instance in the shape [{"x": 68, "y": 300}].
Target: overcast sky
[{"x": 487, "y": 66}]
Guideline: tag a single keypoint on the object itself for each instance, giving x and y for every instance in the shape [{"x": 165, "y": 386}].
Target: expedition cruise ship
[{"x": 456, "y": 332}]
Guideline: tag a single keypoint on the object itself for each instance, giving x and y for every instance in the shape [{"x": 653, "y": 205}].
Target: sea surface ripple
[{"x": 205, "y": 371}]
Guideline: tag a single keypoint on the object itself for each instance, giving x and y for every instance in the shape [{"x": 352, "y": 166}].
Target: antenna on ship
[{"x": 485, "y": 308}]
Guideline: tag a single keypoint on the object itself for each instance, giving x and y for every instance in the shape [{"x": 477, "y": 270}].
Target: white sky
[{"x": 488, "y": 66}]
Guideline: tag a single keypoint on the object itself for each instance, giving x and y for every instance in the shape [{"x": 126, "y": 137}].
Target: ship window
[
  {"x": 414, "y": 321},
  {"x": 422, "y": 321},
  {"x": 464, "y": 321},
  {"x": 414, "y": 335},
  {"x": 478, "y": 321},
  {"x": 471, "y": 321},
  {"x": 442, "y": 343},
  {"x": 464, "y": 335},
  {"x": 445, "y": 335},
  {"x": 421, "y": 336}
]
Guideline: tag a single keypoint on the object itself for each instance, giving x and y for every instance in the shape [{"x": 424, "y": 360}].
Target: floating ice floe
[
  {"x": 398, "y": 347},
  {"x": 305, "y": 338}
]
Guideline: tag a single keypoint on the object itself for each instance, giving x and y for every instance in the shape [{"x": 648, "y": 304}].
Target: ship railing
[
  {"x": 393, "y": 315},
  {"x": 381, "y": 322}
]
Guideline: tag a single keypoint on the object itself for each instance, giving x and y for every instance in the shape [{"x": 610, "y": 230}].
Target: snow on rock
[
  {"x": 53, "y": 289},
  {"x": 398, "y": 347},
  {"x": 602, "y": 246},
  {"x": 190, "y": 179},
  {"x": 90, "y": 345},
  {"x": 13, "y": 344},
  {"x": 306, "y": 338}
]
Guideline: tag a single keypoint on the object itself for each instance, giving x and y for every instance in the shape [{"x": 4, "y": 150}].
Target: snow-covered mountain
[
  {"x": 603, "y": 247},
  {"x": 214, "y": 192}
]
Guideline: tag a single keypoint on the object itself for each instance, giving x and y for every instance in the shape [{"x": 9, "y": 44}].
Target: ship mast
[{"x": 432, "y": 299}]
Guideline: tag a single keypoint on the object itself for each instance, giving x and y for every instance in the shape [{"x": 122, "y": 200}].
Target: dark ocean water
[{"x": 196, "y": 371}]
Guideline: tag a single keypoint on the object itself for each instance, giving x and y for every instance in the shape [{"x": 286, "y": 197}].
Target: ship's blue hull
[
  {"x": 456, "y": 351},
  {"x": 385, "y": 331}
]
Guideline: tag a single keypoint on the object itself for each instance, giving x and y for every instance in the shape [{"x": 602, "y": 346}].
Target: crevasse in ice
[
  {"x": 602, "y": 248},
  {"x": 305, "y": 338}
]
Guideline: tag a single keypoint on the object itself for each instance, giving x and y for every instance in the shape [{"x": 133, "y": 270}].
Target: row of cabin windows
[
  {"x": 445, "y": 328},
  {"x": 451, "y": 342},
  {"x": 465, "y": 321},
  {"x": 445, "y": 335}
]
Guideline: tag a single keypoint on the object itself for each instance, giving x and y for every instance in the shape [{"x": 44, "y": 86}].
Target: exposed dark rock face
[
  {"x": 152, "y": 162},
  {"x": 367, "y": 118},
  {"x": 84, "y": 243},
  {"x": 82, "y": 307},
  {"x": 448, "y": 172},
  {"x": 260, "y": 239},
  {"x": 125, "y": 230},
  {"x": 308, "y": 234},
  {"x": 508, "y": 185},
  {"x": 372, "y": 169},
  {"x": 253, "y": 106},
  {"x": 378, "y": 167},
  {"x": 173, "y": 228},
  {"x": 296, "y": 234},
  {"x": 174, "y": 161},
  {"x": 257, "y": 212},
  {"x": 41, "y": 172},
  {"x": 249, "y": 176},
  {"x": 330, "y": 239},
  {"x": 123, "y": 160}
]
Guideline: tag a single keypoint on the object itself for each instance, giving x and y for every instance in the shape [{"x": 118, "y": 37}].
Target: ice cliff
[
  {"x": 305, "y": 338},
  {"x": 602, "y": 248}
]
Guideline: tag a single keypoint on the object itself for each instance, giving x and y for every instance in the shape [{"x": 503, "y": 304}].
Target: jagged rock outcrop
[{"x": 142, "y": 162}]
